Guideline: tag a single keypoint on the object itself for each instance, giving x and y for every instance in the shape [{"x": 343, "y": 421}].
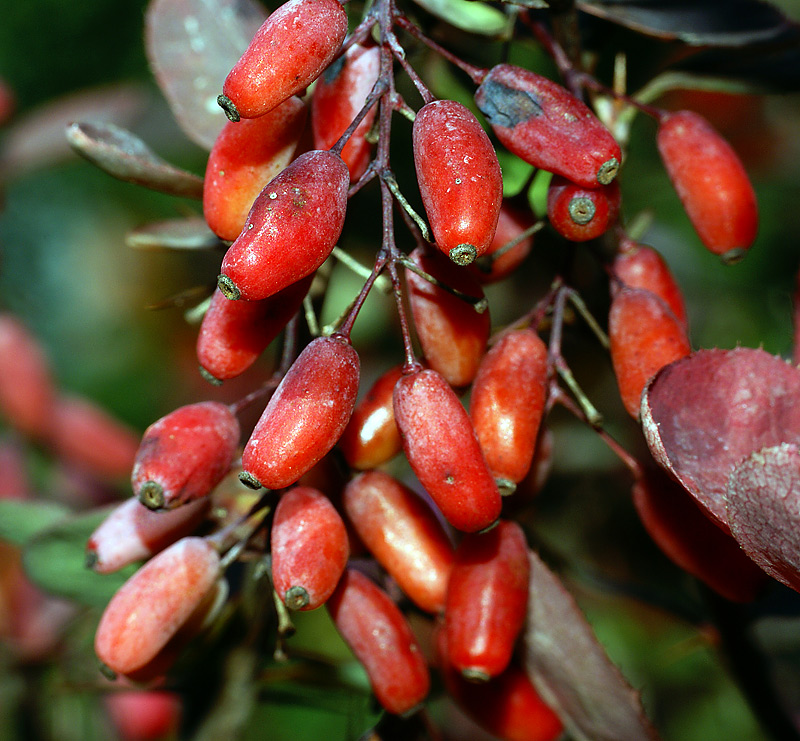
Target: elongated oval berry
[
  {"x": 711, "y": 183},
  {"x": 640, "y": 266},
  {"x": 545, "y": 125},
  {"x": 234, "y": 333},
  {"x": 371, "y": 436},
  {"x": 444, "y": 452},
  {"x": 309, "y": 548},
  {"x": 132, "y": 532},
  {"x": 453, "y": 332},
  {"x": 501, "y": 260},
  {"x": 152, "y": 606},
  {"x": 487, "y": 598},
  {"x": 288, "y": 52},
  {"x": 403, "y": 534},
  {"x": 291, "y": 229},
  {"x": 185, "y": 454},
  {"x": 507, "y": 403},
  {"x": 338, "y": 97},
  {"x": 244, "y": 158},
  {"x": 381, "y": 639},
  {"x": 645, "y": 336},
  {"x": 459, "y": 179},
  {"x": 579, "y": 213},
  {"x": 305, "y": 416}
]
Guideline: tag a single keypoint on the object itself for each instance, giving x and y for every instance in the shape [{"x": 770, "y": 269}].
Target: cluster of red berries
[{"x": 277, "y": 188}]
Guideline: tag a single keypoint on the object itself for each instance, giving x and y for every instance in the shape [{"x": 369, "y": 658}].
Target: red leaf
[{"x": 704, "y": 414}]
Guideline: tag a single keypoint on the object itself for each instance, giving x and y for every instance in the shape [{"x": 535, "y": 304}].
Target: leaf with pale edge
[
  {"x": 702, "y": 415},
  {"x": 468, "y": 15},
  {"x": 192, "y": 45},
  {"x": 20, "y": 520},
  {"x": 173, "y": 234},
  {"x": 571, "y": 670},
  {"x": 763, "y": 506},
  {"x": 123, "y": 155}
]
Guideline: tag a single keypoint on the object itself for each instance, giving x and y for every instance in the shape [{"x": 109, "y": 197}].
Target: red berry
[
  {"x": 492, "y": 266},
  {"x": 444, "y": 452},
  {"x": 339, "y": 95},
  {"x": 507, "y": 402},
  {"x": 459, "y": 179},
  {"x": 403, "y": 534},
  {"x": 185, "y": 454},
  {"x": 579, "y": 213},
  {"x": 371, "y": 436},
  {"x": 244, "y": 158},
  {"x": 288, "y": 52},
  {"x": 487, "y": 599},
  {"x": 453, "y": 332},
  {"x": 234, "y": 333},
  {"x": 306, "y": 415},
  {"x": 545, "y": 125},
  {"x": 309, "y": 548},
  {"x": 711, "y": 183},
  {"x": 379, "y": 636},
  {"x": 144, "y": 715},
  {"x": 291, "y": 229},
  {"x": 645, "y": 336}
]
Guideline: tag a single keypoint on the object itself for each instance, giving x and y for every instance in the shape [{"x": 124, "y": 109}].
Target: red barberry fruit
[
  {"x": 487, "y": 598},
  {"x": 444, "y": 452},
  {"x": 645, "y": 336},
  {"x": 371, "y": 436},
  {"x": 381, "y": 639},
  {"x": 499, "y": 260},
  {"x": 132, "y": 532},
  {"x": 459, "y": 179},
  {"x": 339, "y": 95},
  {"x": 453, "y": 332},
  {"x": 309, "y": 548},
  {"x": 306, "y": 415},
  {"x": 404, "y": 535},
  {"x": 507, "y": 403},
  {"x": 545, "y": 125},
  {"x": 711, "y": 183},
  {"x": 234, "y": 333},
  {"x": 579, "y": 213},
  {"x": 288, "y": 52},
  {"x": 185, "y": 454},
  {"x": 144, "y": 715},
  {"x": 291, "y": 229},
  {"x": 154, "y": 604},
  {"x": 244, "y": 158}
]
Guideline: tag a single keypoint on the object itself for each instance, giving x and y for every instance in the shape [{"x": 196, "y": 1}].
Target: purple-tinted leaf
[
  {"x": 732, "y": 23},
  {"x": 173, "y": 234},
  {"x": 763, "y": 506},
  {"x": 192, "y": 45},
  {"x": 571, "y": 670},
  {"x": 702, "y": 415},
  {"x": 123, "y": 155}
]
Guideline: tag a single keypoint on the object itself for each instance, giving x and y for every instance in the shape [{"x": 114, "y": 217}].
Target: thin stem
[
  {"x": 378, "y": 91},
  {"x": 479, "y": 303},
  {"x": 381, "y": 283},
  {"x": 388, "y": 177},
  {"x": 580, "y": 306}
]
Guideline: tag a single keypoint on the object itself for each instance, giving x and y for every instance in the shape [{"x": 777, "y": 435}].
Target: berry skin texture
[
  {"x": 487, "y": 598},
  {"x": 244, "y": 158},
  {"x": 291, "y": 229},
  {"x": 459, "y": 179},
  {"x": 185, "y": 454},
  {"x": 444, "y": 452},
  {"x": 711, "y": 183},
  {"x": 548, "y": 127},
  {"x": 309, "y": 548},
  {"x": 150, "y": 608},
  {"x": 507, "y": 403},
  {"x": 306, "y": 415},
  {"x": 580, "y": 214},
  {"x": 645, "y": 336},
  {"x": 234, "y": 333},
  {"x": 381, "y": 639},
  {"x": 288, "y": 52},
  {"x": 491, "y": 267},
  {"x": 403, "y": 534}
]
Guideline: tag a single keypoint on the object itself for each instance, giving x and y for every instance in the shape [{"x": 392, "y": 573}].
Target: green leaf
[
  {"x": 468, "y": 15},
  {"x": 54, "y": 560},
  {"x": 20, "y": 520}
]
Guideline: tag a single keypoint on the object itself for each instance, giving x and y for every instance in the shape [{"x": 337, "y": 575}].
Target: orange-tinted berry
[
  {"x": 496, "y": 265},
  {"x": 579, "y": 213}
]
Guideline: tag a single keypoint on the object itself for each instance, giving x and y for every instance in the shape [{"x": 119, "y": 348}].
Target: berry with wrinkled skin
[{"x": 578, "y": 213}]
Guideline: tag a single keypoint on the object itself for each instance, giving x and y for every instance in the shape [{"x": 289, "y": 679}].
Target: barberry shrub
[{"x": 445, "y": 314}]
